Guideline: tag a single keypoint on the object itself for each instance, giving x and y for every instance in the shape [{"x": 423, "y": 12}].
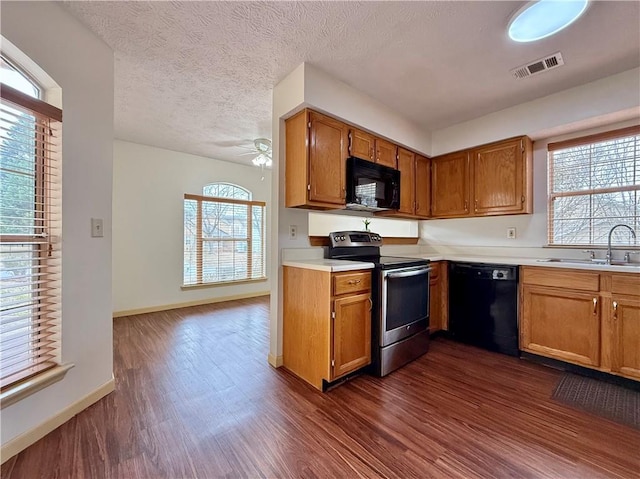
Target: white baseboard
[
  {"x": 275, "y": 361},
  {"x": 27, "y": 438},
  {"x": 166, "y": 307}
]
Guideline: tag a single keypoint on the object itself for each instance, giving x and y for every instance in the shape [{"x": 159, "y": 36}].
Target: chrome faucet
[{"x": 633, "y": 233}]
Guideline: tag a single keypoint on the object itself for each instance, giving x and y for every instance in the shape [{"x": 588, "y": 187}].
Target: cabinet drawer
[
  {"x": 561, "y": 278},
  {"x": 351, "y": 282},
  {"x": 626, "y": 284}
]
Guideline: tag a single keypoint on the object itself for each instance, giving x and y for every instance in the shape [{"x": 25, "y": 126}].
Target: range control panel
[{"x": 355, "y": 238}]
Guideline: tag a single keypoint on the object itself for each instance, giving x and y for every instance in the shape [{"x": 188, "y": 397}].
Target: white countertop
[
  {"x": 331, "y": 265},
  {"x": 334, "y": 265}
]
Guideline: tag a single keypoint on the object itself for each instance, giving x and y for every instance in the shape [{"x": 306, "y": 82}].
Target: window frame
[
  {"x": 45, "y": 242},
  {"x": 552, "y": 195},
  {"x": 200, "y": 240}
]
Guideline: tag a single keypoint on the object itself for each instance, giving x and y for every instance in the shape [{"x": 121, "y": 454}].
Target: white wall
[
  {"x": 83, "y": 66},
  {"x": 148, "y": 221},
  {"x": 321, "y": 224},
  {"x": 611, "y": 99}
]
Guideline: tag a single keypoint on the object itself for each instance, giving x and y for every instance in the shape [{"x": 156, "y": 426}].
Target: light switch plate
[{"x": 96, "y": 228}]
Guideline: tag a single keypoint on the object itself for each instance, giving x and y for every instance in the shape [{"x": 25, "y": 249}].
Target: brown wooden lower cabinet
[
  {"x": 625, "y": 315},
  {"x": 438, "y": 296},
  {"x": 583, "y": 317},
  {"x": 562, "y": 324},
  {"x": 351, "y": 333},
  {"x": 326, "y": 323}
]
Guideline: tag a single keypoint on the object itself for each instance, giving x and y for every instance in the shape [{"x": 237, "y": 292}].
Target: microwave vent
[{"x": 541, "y": 65}]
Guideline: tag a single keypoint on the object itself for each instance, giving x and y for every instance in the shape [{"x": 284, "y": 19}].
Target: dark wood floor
[{"x": 195, "y": 398}]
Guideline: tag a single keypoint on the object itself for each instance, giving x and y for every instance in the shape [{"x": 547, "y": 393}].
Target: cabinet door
[
  {"x": 406, "y": 165},
  {"x": 561, "y": 324},
  {"x": 386, "y": 153},
  {"x": 327, "y": 159},
  {"x": 351, "y": 334},
  {"x": 423, "y": 186},
  {"x": 361, "y": 145},
  {"x": 625, "y": 315},
  {"x": 498, "y": 178},
  {"x": 450, "y": 185}
]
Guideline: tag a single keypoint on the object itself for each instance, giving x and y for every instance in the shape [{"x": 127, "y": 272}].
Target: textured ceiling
[{"x": 197, "y": 76}]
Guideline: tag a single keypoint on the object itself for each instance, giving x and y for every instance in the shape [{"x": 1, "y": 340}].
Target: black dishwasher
[{"x": 483, "y": 305}]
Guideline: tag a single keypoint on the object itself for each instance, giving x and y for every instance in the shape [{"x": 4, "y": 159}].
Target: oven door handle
[{"x": 405, "y": 274}]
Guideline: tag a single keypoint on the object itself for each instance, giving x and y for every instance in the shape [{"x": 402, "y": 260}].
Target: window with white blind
[
  {"x": 223, "y": 236},
  {"x": 30, "y": 210},
  {"x": 594, "y": 184}
]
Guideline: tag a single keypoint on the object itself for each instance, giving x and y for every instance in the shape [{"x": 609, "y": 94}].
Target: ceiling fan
[{"x": 262, "y": 151}]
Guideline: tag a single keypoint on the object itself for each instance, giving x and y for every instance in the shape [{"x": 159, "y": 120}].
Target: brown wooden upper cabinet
[
  {"x": 493, "y": 179},
  {"x": 386, "y": 153},
  {"x": 316, "y": 154},
  {"x": 415, "y": 186},
  {"x": 502, "y": 180},
  {"x": 366, "y": 146},
  {"x": 423, "y": 187},
  {"x": 450, "y": 185},
  {"x": 362, "y": 145}
]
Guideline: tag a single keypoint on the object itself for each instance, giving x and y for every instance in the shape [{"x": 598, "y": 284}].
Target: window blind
[
  {"x": 30, "y": 222},
  {"x": 223, "y": 240},
  {"x": 594, "y": 184}
]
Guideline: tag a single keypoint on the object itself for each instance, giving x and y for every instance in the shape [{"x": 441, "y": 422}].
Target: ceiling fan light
[
  {"x": 542, "y": 18},
  {"x": 262, "y": 160}
]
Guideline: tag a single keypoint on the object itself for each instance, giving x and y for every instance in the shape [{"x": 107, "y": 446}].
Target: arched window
[
  {"x": 224, "y": 234},
  {"x": 226, "y": 190},
  {"x": 16, "y": 78},
  {"x": 30, "y": 195}
]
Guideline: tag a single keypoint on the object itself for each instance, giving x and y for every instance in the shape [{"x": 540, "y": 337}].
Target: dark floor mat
[{"x": 598, "y": 397}]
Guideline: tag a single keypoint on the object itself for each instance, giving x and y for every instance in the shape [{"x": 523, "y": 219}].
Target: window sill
[
  {"x": 23, "y": 389},
  {"x": 226, "y": 283}
]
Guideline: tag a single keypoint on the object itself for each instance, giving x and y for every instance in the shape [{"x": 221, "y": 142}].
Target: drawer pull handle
[
  {"x": 595, "y": 306},
  {"x": 370, "y": 304},
  {"x": 354, "y": 281},
  {"x": 615, "y": 310}
]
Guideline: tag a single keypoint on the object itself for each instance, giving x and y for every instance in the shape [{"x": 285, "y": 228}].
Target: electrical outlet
[
  {"x": 511, "y": 233},
  {"x": 96, "y": 228},
  {"x": 293, "y": 232}
]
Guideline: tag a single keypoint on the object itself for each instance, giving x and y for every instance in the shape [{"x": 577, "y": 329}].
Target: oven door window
[{"x": 405, "y": 302}]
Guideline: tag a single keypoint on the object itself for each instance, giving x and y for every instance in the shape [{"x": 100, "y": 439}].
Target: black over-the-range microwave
[{"x": 372, "y": 187}]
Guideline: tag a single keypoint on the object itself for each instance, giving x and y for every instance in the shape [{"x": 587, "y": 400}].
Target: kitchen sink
[
  {"x": 588, "y": 261},
  {"x": 561, "y": 260}
]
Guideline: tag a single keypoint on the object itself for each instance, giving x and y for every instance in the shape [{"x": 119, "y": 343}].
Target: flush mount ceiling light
[{"x": 543, "y": 18}]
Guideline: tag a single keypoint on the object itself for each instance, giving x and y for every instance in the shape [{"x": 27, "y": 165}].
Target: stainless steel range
[{"x": 400, "y": 294}]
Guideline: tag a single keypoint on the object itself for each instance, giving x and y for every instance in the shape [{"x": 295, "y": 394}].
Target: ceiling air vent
[{"x": 538, "y": 66}]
